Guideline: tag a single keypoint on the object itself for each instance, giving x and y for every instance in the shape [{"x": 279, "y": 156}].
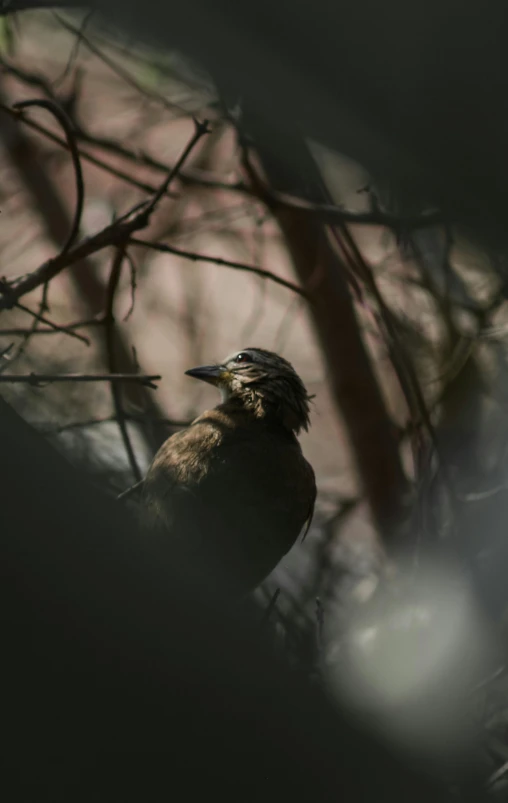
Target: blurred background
[
  {"x": 395, "y": 320},
  {"x": 133, "y": 111}
]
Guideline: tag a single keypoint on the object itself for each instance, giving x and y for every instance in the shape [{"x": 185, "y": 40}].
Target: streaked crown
[{"x": 264, "y": 382}]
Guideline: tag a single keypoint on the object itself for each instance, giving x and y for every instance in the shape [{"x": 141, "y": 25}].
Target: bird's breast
[{"x": 233, "y": 489}]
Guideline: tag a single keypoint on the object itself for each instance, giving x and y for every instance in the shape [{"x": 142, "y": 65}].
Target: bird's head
[{"x": 264, "y": 383}]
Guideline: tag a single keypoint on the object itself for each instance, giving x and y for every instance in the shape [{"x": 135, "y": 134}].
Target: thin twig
[
  {"x": 279, "y": 338},
  {"x": 200, "y": 129},
  {"x": 5, "y": 358},
  {"x": 132, "y": 266},
  {"x": 146, "y": 210},
  {"x": 43, "y": 379},
  {"x": 402, "y": 364},
  {"x": 114, "y": 278},
  {"x": 327, "y": 213},
  {"x": 66, "y": 124},
  {"x": 32, "y": 79},
  {"x": 331, "y": 213},
  {"x": 54, "y": 327},
  {"x": 190, "y": 175},
  {"x": 117, "y": 233},
  {"x": 139, "y": 157},
  {"x": 96, "y": 161},
  {"x": 498, "y": 774},
  {"x": 73, "y": 54},
  {"x": 93, "y": 422},
  {"x": 403, "y": 367},
  {"x": 226, "y": 263},
  {"x": 111, "y": 235},
  {"x": 271, "y": 606},
  {"x": 43, "y": 307},
  {"x": 118, "y": 69},
  {"x": 130, "y": 491}
]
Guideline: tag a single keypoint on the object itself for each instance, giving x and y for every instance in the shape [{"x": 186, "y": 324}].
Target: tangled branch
[{"x": 117, "y": 233}]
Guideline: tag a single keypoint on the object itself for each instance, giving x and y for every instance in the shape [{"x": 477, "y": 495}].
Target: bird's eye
[{"x": 242, "y": 357}]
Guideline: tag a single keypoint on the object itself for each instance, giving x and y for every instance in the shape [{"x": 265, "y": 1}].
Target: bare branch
[
  {"x": 53, "y": 327},
  {"x": 37, "y": 80},
  {"x": 43, "y": 379},
  {"x": 64, "y": 121},
  {"x": 226, "y": 263},
  {"x": 131, "y": 490},
  {"x": 117, "y": 233},
  {"x": 112, "y": 235},
  {"x": 117, "y": 69},
  {"x": 92, "y": 422},
  {"x": 199, "y": 131},
  {"x": 132, "y": 266},
  {"x": 276, "y": 200},
  {"x": 114, "y": 278},
  {"x": 329, "y": 213},
  {"x": 140, "y": 185},
  {"x": 139, "y": 157}
]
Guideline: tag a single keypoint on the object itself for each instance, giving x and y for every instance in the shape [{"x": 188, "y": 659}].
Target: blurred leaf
[
  {"x": 148, "y": 75},
  {"x": 7, "y": 36}
]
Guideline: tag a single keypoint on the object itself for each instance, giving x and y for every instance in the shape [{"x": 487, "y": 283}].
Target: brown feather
[{"x": 234, "y": 488}]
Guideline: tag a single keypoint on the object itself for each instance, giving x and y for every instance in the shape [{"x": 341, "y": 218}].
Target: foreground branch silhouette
[{"x": 125, "y": 678}]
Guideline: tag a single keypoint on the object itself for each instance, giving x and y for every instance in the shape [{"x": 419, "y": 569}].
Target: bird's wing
[{"x": 249, "y": 490}]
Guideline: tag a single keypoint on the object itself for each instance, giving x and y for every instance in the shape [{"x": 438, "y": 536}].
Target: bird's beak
[{"x": 207, "y": 373}]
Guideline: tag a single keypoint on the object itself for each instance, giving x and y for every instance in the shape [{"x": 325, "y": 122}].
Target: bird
[{"x": 234, "y": 489}]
